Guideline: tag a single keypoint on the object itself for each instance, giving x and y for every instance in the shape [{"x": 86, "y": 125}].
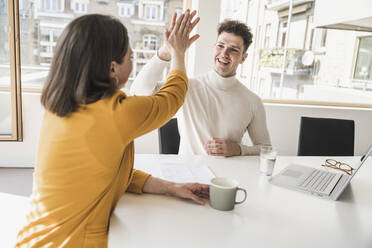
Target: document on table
[
  {"x": 182, "y": 173},
  {"x": 179, "y": 172}
]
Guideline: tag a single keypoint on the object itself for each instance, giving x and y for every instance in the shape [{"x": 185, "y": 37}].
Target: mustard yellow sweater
[{"x": 85, "y": 163}]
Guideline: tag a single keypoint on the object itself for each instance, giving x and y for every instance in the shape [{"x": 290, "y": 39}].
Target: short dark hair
[
  {"x": 238, "y": 28},
  {"x": 80, "y": 69}
]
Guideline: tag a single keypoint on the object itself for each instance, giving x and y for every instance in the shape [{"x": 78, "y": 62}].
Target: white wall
[
  {"x": 13, "y": 154},
  {"x": 284, "y": 124}
]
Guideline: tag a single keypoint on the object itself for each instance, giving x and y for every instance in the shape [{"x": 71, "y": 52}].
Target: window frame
[
  {"x": 15, "y": 73},
  {"x": 356, "y": 56},
  {"x": 148, "y": 38},
  {"x": 124, "y": 8},
  {"x": 148, "y": 9}
]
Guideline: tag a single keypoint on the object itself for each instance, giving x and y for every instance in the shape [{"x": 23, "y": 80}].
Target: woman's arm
[{"x": 194, "y": 191}]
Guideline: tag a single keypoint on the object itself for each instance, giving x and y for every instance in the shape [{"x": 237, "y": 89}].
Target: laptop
[{"x": 318, "y": 182}]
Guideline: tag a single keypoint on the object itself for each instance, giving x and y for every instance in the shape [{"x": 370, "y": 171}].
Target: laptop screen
[{"x": 363, "y": 159}]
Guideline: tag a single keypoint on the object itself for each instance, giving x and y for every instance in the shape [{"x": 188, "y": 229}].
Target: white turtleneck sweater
[{"x": 215, "y": 107}]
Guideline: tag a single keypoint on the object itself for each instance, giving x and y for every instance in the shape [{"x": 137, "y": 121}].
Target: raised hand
[{"x": 164, "y": 52}]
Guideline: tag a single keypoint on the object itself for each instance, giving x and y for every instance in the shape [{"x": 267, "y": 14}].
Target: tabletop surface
[{"x": 270, "y": 217}]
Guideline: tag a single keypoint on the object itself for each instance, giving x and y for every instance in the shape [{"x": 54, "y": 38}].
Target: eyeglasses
[{"x": 331, "y": 163}]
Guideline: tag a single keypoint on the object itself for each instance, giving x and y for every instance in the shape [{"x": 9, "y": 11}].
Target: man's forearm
[
  {"x": 250, "y": 150},
  {"x": 146, "y": 81}
]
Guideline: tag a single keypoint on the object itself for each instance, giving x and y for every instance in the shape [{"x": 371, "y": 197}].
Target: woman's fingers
[
  {"x": 193, "y": 23},
  {"x": 193, "y": 39}
]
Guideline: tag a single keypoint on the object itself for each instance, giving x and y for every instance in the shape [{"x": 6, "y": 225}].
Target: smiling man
[{"x": 218, "y": 109}]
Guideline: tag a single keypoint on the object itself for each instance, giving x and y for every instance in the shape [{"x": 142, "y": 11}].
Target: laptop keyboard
[{"x": 318, "y": 180}]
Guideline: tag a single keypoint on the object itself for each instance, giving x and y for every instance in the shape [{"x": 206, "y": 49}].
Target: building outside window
[
  {"x": 282, "y": 34},
  {"x": 52, "y": 5},
  {"x": 41, "y": 23},
  {"x": 80, "y": 7},
  {"x": 267, "y": 35},
  {"x": 126, "y": 10},
  {"x": 150, "y": 42},
  {"x": 329, "y": 66},
  {"x": 151, "y": 12}
]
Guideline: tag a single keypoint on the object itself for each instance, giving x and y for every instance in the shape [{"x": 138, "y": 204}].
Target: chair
[
  {"x": 326, "y": 137},
  {"x": 169, "y": 138}
]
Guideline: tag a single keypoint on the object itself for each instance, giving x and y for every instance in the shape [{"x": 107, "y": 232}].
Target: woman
[{"x": 86, "y": 150}]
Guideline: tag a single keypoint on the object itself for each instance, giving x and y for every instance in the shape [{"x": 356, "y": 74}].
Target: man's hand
[
  {"x": 194, "y": 191},
  {"x": 222, "y": 147},
  {"x": 164, "y": 51}
]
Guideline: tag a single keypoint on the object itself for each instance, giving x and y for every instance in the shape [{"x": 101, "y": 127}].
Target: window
[
  {"x": 267, "y": 35},
  {"x": 79, "y": 6},
  {"x": 10, "y": 96},
  {"x": 363, "y": 65},
  {"x": 40, "y": 26},
  {"x": 151, "y": 12},
  {"x": 322, "y": 66},
  {"x": 282, "y": 34},
  {"x": 150, "y": 42},
  {"x": 126, "y": 10},
  {"x": 47, "y": 44},
  {"x": 52, "y": 5}
]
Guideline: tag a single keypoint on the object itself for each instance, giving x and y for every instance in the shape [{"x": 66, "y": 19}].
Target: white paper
[
  {"x": 182, "y": 173},
  {"x": 179, "y": 172}
]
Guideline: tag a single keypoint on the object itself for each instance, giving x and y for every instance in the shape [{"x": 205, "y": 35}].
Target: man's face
[{"x": 228, "y": 54}]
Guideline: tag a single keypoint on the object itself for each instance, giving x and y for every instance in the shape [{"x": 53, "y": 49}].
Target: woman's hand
[
  {"x": 164, "y": 52},
  {"x": 193, "y": 191}
]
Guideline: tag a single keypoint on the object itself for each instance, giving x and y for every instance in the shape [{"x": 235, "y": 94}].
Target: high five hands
[{"x": 177, "y": 37}]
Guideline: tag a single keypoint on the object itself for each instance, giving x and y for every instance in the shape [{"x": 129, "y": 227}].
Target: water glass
[{"x": 267, "y": 160}]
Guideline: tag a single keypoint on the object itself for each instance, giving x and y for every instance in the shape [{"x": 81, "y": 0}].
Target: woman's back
[{"x": 85, "y": 163}]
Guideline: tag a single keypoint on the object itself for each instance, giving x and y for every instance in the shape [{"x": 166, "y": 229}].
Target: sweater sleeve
[
  {"x": 138, "y": 180},
  {"x": 146, "y": 81},
  {"x": 258, "y": 132},
  {"x": 138, "y": 115}
]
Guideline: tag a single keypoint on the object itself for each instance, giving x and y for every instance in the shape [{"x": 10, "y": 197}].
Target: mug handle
[{"x": 245, "y": 195}]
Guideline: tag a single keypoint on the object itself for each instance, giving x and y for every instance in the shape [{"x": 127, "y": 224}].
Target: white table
[{"x": 270, "y": 217}]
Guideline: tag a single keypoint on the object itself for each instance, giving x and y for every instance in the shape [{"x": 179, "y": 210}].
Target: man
[{"x": 218, "y": 109}]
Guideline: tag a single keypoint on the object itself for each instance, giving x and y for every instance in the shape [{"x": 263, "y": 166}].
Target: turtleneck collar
[{"x": 223, "y": 83}]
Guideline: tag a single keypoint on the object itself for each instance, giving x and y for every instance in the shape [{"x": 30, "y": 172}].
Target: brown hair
[
  {"x": 238, "y": 28},
  {"x": 80, "y": 70}
]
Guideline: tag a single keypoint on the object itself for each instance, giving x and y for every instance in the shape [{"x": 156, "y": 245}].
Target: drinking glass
[{"x": 267, "y": 160}]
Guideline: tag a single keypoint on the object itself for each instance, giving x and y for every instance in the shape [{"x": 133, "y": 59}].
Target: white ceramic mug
[{"x": 222, "y": 193}]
